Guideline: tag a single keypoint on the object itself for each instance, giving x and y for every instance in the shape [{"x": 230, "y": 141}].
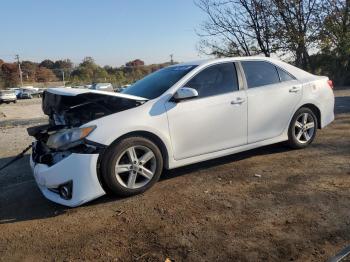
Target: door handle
[
  {"x": 295, "y": 89},
  {"x": 237, "y": 101}
]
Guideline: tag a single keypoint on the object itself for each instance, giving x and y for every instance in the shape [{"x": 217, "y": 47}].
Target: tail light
[{"x": 330, "y": 83}]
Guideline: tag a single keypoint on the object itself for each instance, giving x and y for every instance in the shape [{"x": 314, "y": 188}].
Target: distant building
[{"x": 135, "y": 63}]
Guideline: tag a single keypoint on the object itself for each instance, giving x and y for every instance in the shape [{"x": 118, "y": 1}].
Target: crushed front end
[{"x": 64, "y": 161}]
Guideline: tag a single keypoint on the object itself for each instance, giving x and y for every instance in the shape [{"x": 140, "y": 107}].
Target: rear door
[{"x": 272, "y": 97}]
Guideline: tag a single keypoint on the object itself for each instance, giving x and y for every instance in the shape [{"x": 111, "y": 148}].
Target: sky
[{"x": 113, "y": 32}]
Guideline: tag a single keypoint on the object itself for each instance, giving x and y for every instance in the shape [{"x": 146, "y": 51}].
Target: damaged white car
[{"x": 100, "y": 142}]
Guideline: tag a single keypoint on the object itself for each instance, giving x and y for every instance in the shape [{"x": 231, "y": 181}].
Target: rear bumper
[
  {"x": 80, "y": 169},
  {"x": 7, "y": 99},
  {"x": 327, "y": 111}
]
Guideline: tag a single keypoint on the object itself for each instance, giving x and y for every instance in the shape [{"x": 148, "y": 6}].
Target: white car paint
[
  {"x": 194, "y": 130},
  {"x": 210, "y": 117}
]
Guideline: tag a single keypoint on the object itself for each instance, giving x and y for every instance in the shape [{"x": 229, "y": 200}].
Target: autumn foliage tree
[
  {"x": 86, "y": 72},
  {"x": 10, "y": 74},
  {"x": 44, "y": 74},
  {"x": 29, "y": 71}
]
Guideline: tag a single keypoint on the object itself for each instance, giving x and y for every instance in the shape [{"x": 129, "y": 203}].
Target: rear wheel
[
  {"x": 131, "y": 166},
  {"x": 302, "y": 129}
]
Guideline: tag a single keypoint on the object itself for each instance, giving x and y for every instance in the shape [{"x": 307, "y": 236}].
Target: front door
[{"x": 213, "y": 121}]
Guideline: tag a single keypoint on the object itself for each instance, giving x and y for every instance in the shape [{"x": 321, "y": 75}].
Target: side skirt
[{"x": 192, "y": 160}]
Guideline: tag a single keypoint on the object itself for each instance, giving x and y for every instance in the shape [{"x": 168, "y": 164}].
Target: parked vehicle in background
[
  {"x": 80, "y": 87},
  {"x": 119, "y": 143},
  {"x": 122, "y": 88},
  {"x": 8, "y": 96},
  {"x": 17, "y": 90},
  {"x": 102, "y": 87},
  {"x": 25, "y": 95}
]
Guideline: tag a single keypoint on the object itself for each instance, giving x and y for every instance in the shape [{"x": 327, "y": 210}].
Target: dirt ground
[
  {"x": 27, "y": 111},
  {"x": 268, "y": 204},
  {"x": 23, "y": 109}
]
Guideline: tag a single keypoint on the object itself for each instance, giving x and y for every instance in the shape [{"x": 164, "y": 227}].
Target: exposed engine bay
[
  {"x": 67, "y": 112},
  {"x": 73, "y": 111}
]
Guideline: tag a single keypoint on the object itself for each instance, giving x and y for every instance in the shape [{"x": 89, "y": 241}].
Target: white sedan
[{"x": 101, "y": 142}]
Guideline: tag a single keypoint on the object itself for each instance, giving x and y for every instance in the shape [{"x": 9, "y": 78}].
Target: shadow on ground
[
  {"x": 21, "y": 200},
  {"x": 342, "y": 105}
]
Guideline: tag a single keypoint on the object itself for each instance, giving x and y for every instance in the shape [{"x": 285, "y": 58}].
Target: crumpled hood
[
  {"x": 75, "y": 107},
  {"x": 78, "y": 91}
]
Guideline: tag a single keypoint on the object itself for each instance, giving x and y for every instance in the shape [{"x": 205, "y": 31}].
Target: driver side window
[{"x": 215, "y": 80}]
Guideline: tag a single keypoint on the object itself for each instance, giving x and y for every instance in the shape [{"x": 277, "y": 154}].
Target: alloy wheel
[
  {"x": 135, "y": 167},
  {"x": 304, "y": 128}
]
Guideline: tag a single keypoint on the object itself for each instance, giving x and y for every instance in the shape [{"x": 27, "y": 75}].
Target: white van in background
[
  {"x": 102, "y": 87},
  {"x": 7, "y": 96}
]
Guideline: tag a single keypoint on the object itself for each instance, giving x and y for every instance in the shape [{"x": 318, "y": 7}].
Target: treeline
[
  {"x": 86, "y": 72},
  {"x": 312, "y": 34}
]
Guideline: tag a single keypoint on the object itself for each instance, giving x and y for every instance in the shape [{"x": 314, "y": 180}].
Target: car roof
[
  {"x": 224, "y": 59},
  {"x": 296, "y": 72}
]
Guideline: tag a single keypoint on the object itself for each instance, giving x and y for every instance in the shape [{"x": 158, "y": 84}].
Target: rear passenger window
[
  {"x": 215, "y": 80},
  {"x": 284, "y": 76},
  {"x": 260, "y": 73}
]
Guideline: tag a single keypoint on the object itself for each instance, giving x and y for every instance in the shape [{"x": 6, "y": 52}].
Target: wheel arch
[
  {"x": 146, "y": 134},
  {"x": 149, "y": 135}
]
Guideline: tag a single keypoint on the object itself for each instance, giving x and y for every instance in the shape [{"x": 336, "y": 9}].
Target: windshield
[{"x": 158, "y": 82}]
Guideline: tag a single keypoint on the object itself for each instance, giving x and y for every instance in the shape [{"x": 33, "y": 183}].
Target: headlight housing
[{"x": 68, "y": 138}]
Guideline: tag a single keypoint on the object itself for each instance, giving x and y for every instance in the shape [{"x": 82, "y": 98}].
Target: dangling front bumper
[{"x": 76, "y": 173}]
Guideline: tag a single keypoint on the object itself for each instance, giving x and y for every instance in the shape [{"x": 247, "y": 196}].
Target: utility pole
[
  {"x": 171, "y": 59},
  {"x": 19, "y": 68},
  {"x": 64, "y": 83}
]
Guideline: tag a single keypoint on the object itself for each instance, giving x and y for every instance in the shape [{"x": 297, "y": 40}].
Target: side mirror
[{"x": 185, "y": 93}]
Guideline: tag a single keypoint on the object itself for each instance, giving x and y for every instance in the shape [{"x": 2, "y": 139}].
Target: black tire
[
  {"x": 293, "y": 140},
  {"x": 115, "y": 152}
]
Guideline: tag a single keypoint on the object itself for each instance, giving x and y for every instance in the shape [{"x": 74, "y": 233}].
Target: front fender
[{"x": 140, "y": 119}]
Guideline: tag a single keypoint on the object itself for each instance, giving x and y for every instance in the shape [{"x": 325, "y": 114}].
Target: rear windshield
[{"x": 158, "y": 82}]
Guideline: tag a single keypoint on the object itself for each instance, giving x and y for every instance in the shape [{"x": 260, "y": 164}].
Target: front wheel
[
  {"x": 302, "y": 129},
  {"x": 131, "y": 166}
]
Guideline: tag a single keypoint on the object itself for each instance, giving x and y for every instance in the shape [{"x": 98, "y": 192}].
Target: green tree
[
  {"x": 47, "y": 63},
  {"x": 335, "y": 41}
]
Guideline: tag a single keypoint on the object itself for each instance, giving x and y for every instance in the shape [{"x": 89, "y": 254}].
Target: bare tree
[
  {"x": 299, "y": 23},
  {"x": 237, "y": 27},
  {"x": 247, "y": 27}
]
